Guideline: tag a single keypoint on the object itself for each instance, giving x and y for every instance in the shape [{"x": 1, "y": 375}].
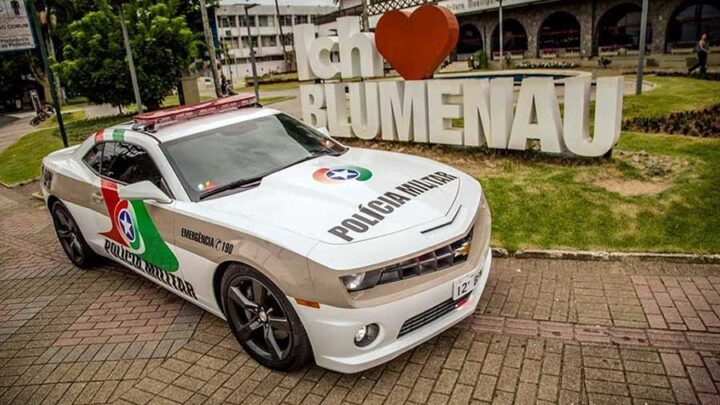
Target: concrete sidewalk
[{"x": 546, "y": 331}]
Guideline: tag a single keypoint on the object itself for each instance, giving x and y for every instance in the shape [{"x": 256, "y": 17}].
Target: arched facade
[
  {"x": 607, "y": 27},
  {"x": 619, "y": 29},
  {"x": 470, "y": 40},
  {"x": 689, "y": 21},
  {"x": 559, "y": 34},
  {"x": 515, "y": 38}
]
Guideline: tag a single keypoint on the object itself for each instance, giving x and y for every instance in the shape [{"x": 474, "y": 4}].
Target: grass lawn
[
  {"x": 673, "y": 94},
  {"x": 269, "y": 87},
  {"x": 68, "y": 117},
  {"x": 21, "y": 161}
]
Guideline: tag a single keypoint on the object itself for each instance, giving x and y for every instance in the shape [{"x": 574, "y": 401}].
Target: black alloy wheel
[
  {"x": 71, "y": 238},
  {"x": 262, "y": 319}
]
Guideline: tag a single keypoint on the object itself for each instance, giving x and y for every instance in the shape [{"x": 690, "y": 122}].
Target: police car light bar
[{"x": 184, "y": 112}]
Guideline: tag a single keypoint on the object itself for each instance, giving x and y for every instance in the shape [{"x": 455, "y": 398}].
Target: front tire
[
  {"x": 263, "y": 320},
  {"x": 71, "y": 238}
]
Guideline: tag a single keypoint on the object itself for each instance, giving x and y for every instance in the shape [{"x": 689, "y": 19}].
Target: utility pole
[
  {"x": 282, "y": 37},
  {"x": 48, "y": 72},
  {"x": 641, "y": 56},
  {"x": 131, "y": 62},
  {"x": 366, "y": 24},
  {"x": 500, "y": 37},
  {"x": 210, "y": 47},
  {"x": 252, "y": 52}
]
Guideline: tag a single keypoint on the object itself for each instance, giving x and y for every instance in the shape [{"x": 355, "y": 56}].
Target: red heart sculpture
[{"x": 416, "y": 44}]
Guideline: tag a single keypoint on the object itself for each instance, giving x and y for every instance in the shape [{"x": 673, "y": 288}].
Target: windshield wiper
[
  {"x": 245, "y": 183},
  {"x": 242, "y": 183}
]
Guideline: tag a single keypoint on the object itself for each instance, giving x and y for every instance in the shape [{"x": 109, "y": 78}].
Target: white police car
[{"x": 306, "y": 247}]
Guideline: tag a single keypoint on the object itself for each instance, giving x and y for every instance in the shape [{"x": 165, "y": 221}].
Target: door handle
[{"x": 97, "y": 197}]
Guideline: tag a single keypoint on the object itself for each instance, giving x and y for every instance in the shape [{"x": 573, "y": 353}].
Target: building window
[
  {"x": 691, "y": 21},
  {"x": 254, "y": 41},
  {"x": 514, "y": 38},
  {"x": 268, "y": 40},
  {"x": 470, "y": 39},
  {"x": 266, "y": 21},
  {"x": 285, "y": 20},
  {"x": 313, "y": 18},
  {"x": 287, "y": 39},
  {"x": 301, "y": 19},
  {"x": 560, "y": 31},
  {"x": 227, "y": 21},
  {"x": 243, "y": 22},
  {"x": 619, "y": 29},
  {"x": 232, "y": 42}
]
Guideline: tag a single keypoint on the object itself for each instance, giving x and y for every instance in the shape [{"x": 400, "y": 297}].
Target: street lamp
[{"x": 252, "y": 50}]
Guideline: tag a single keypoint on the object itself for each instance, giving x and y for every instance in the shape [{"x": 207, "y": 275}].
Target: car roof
[{"x": 171, "y": 131}]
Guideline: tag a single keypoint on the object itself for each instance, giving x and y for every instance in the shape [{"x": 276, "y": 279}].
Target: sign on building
[{"x": 15, "y": 31}]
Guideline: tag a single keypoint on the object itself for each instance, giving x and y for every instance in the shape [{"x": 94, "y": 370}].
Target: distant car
[{"x": 307, "y": 248}]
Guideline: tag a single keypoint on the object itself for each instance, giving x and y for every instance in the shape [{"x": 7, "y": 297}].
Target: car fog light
[{"x": 367, "y": 334}]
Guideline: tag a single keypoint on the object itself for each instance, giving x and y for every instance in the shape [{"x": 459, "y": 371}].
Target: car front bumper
[{"x": 331, "y": 330}]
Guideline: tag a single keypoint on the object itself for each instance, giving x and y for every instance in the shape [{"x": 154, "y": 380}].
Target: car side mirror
[
  {"x": 143, "y": 190},
  {"x": 323, "y": 131}
]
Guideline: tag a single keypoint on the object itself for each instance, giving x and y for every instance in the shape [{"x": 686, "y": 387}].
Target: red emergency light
[{"x": 151, "y": 119}]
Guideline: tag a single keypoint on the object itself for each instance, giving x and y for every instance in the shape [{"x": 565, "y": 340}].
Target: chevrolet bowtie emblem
[{"x": 463, "y": 250}]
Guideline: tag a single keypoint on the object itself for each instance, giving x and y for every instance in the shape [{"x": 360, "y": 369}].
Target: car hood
[{"x": 313, "y": 199}]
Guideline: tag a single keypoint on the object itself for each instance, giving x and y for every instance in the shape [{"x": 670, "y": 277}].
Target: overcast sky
[{"x": 283, "y": 2}]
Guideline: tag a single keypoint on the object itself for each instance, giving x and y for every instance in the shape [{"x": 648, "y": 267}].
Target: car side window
[
  {"x": 128, "y": 164},
  {"x": 94, "y": 157}
]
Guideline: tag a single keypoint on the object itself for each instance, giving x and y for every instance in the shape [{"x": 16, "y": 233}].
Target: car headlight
[{"x": 361, "y": 281}]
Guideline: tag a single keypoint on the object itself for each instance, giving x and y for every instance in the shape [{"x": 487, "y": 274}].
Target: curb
[
  {"x": 601, "y": 256},
  {"x": 19, "y": 183}
]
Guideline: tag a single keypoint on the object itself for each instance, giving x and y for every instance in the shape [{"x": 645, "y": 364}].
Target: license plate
[{"x": 465, "y": 284}]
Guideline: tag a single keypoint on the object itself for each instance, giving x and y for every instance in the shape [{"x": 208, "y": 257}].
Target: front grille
[
  {"x": 439, "y": 259},
  {"x": 424, "y": 318}
]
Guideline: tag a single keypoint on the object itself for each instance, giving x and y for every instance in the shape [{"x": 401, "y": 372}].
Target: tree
[{"x": 95, "y": 64}]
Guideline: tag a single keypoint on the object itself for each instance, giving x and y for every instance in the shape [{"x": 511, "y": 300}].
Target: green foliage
[
  {"x": 672, "y": 94},
  {"x": 703, "y": 123},
  {"x": 21, "y": 161},
  {"x": 604, "y": 62},
  {"x": 95, "y": 64},
  {"x": 481, "y": 60}
]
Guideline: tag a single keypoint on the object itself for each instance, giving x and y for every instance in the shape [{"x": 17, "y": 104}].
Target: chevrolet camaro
[{"x": 308, "y": 248}]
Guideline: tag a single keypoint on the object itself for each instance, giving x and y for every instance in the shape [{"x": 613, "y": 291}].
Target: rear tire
[
  {"x": 71, "y": 238},
  {"x": 263, "y": 320}
]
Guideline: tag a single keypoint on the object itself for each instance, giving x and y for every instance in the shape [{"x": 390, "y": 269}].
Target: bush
[
  {"x": 703, "y": 123},
  {"x": 481, "y": 60},
  {"x": 547, "y": 65},
  {"x": 604, "y": 62}
]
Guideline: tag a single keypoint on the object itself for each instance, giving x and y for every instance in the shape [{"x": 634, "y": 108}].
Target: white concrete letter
[
  {"x": 608, "y": 113},
  {"x": 312, "y": 100},
  {"x": 442, "y": 113},
  {"x": 501, "y": 112},
  {"x": 319, "y": 56},
  {"x": 403, "y": 110},
  {"x": 304, "y": 35},
  {"x": 537, "y": 116},
  {"x": 476, "y": 111},
  {"x": 364, "y": 109},
  {"x": 358, "y": 54},
  {"x": 337, "y": 112}
]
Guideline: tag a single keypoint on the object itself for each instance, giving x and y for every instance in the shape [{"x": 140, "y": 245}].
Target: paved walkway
[{"x": 545, "y": 332}]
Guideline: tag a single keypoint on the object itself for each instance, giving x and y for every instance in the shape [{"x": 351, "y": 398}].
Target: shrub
[
  {"x": 481, "y": 60},
  {"x": 703, "y": 123}
]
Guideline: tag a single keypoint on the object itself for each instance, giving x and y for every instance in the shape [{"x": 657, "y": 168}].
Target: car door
[{"x": 137, "y": 233}]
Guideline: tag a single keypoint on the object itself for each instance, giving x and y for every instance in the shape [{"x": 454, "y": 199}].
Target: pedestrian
[
  {"x": 701, "y": 49},
  {"x": 224, "y": 85}
]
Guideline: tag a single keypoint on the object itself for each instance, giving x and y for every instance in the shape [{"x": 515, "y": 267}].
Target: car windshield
[{"x": 229, "y": 157}]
